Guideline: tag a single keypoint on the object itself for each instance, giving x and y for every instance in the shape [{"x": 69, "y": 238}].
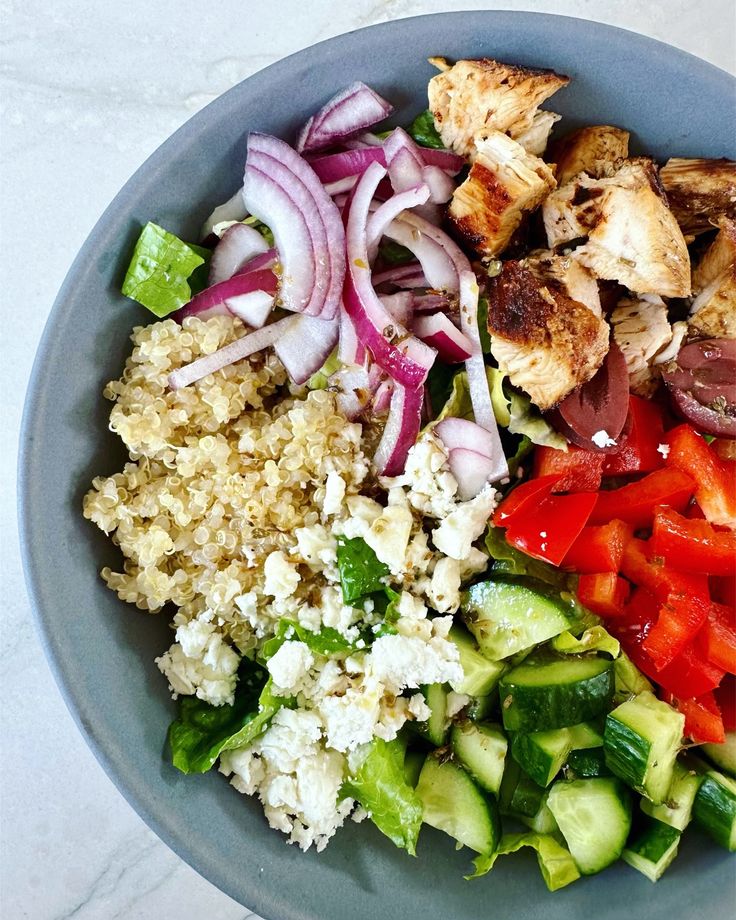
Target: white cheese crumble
[
  {"x": 289, "y": 667},
  {"x": 664, "y": 449},
  {"x": 201, "y": 663},
  {"x": 456, "y": 534},
  {"x": 280, "y": 576},
  {"x": 602, "y": 439}
]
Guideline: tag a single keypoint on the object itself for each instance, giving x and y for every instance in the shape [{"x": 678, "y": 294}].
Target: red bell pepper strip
[
  {"x": 717, "y": 639},
  {"x": 547, "y": 529},
  {"x": 655, "y": 576},
  {"x": 635, "y": 502},
  {"x": 679, "y": 621},
  {"x": 528, "y": 493},
  {"x": 577, "y": 469},
  {"x": 598, "y": 549},
  {"x": 604, "y": 593},
  {"x": 715, "y": 478},
  {"x": 692, "y": 546},
  {"x": 637, "y": 447},
  {"x": 703, "y": 720},
  {"x": 723, "y": 590},
  {"x": 725, "y": 695}
]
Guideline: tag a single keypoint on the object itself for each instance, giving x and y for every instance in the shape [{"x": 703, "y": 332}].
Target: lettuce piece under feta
[
  {"x": 423, "y": 131},
  {"x": 202, "y": 731},
  {"x": 327, "y": 641},
  {"x": 380, "y": 786},
  {"x": 159, "y": 273},
  {"x": 361, "y": 571},
  {"x": 555, "y": 862}
]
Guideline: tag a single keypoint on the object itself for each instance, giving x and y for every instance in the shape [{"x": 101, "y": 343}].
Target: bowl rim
[{"x": 187, "y": 134}]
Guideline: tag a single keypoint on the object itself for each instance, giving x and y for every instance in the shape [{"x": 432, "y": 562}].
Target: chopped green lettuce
[
  {"x": 500, "y": 401},
  {"x": 379, "y": 784},
  {"x": 202, "y": 731},
  {"x": 439, "y": 384},
  {"x": 258, "y": 225},
  {"x": 320, "y": 379},
  {"x": 555, "y": 862},
  {"x": 593, "y": 639},
  {"x": 628, "y": 679},
  {"x": 361, "y": 571},
  {"x": 393, "y": 253},
  {"x": 485, "y": 338},
  {"x": 160, "y": 269},
  {"x": 423, "y": 131},
  {"x": 327, "y": 641},
  {"x": 526, "y": 419}
]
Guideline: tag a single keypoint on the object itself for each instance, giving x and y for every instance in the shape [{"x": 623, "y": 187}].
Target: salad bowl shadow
[{"x": 102, "y": 651}]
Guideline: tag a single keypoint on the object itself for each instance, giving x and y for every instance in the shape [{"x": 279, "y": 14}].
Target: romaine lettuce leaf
[
  {"x": 593, "y": 639},
  {"x": 327, "y": 641},
  {"x": 361, "y": 571},
  {"x": 159, "y": 270},
  {"x": 320, "y": 379},
  {"x": 381, "y": 788},
  {"x": 423, "y": 131},
  {"x": 393, "y": 253},
  {"x": 555, "y": 862},
  {"x": 202, "y": 731},
  {"x": 526, "y": 419}
]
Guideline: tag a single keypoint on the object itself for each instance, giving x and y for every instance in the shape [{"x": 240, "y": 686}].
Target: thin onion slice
[
  {"x": 253, "y": 308},
  {"x": 400, "y": 431},
  {"x": 349, "y": 163},
  {"x": 233, "y": 209},
  {"x": 241, "y": 348},
  {"x": 437, "y": 330},
  {"x": 401, "y": 276},
  {"x": 437, "y": 265},
  {"x": 306, "y": 345},
  {"x": 340, "y": 186},
  {"x": 471, "y": 470},
  {"x": 350, "y": 349},
  {"x": 349, "y": 112},
  {"x": 354, "y": 391},
  {"x": 213, "y": 300},
  {"x": 238, "y": 245},
  {"x": 400, "y": 306},
  {"x": 382, "y": 397},
  {"x": 389, "y": 211},
  {"x": 432, "y": 302},
  {"x": 440, "y": 184},
  {"x": 463, "y": 433}
]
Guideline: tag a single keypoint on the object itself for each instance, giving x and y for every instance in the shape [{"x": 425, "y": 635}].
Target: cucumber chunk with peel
[{"x": 652, "y": 849}]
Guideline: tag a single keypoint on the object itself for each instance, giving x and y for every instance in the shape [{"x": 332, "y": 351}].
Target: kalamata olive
[
  {"x": 702, "y": 382},
  {"x": 595, "y": 413}
]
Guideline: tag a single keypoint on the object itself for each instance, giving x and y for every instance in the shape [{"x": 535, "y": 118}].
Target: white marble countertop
[{"x": 87, "y": 91}]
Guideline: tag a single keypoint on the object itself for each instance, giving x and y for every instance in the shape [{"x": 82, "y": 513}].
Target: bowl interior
[{"x": 102, "y": 650}]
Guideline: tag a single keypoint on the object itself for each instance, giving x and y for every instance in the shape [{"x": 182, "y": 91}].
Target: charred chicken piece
[
  {"x": 642, "y": 331},
  {"x": 547, "y": 342},
  {"x": 622, "y": 229},
  {"x": 596, "y": 150},
  {"x": 504, "y": 182},
  {"x": 472, "y": 98},
  {"x": 713, "y": 312},
  {"x": 700, "y": 192}
]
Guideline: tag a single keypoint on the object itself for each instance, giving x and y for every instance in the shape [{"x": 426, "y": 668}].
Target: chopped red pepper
[
  {"x": 679, "y": 621},
  {"x": 723, "y": 590},
  {"x": 577, "y": 469},
  {"x": 692, "y": 546},
  {"x": 603, "y": 593},
  {"x": 598, "y": 549},
  {"x": 703, "y": 721},
  {"x": 725, "y": 695},
  {"x": 655, "y": 576},
  {"x": 635, "y": 502},
  {"x": 717, "y": 638},
  {"x": 637, "y": 451},
  {"x": 715, "y": 478},
  {"x": 540, "y": 523}
]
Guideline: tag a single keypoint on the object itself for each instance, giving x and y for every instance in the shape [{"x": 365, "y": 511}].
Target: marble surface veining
[{"x": 87, "y": 90}]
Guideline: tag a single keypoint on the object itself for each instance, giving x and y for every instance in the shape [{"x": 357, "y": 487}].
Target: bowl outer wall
[{"x": 102, "y": 650}]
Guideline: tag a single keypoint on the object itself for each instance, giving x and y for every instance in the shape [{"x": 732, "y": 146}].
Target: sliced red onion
[
  {"x": 382, "y": 396},
  {"x": 432, "y": 303},
  {"x": 354, "y": 390},
  {"x": 241, "y": 348},
  {"x": 213, "y": 300},
  {"x": 253, "y": 308},
  {"x": 267, "y": 259},
  {"x": 331, "y": 220},
  {"x": 437, "y": 266},
  {"x": 400, "y": 275},
  {"x": 233, "y": 209},
  {"x": 400, "y": 306},
  {"x": 340, "y": 186},
  {"x": 440, "y": 184},
  {"x": 350, "y": 350},
  {"x": 471, "y": 470},
  {"x": 238, "y": 245},
  {"x": 400, "y": 431},
  {"x": 366, "y": 139},
  {"x": 388, "y": 211},
  {"x": 306, "y": 345},
  {"x": 335, "y": 166},
  {"x": 447, "y": 161},
  {"x": 353, "y": 110},
  {"x": 404, "y": 169},
  {"x": 438, "y": 331},
  {"x": 480, "y": 395},
  {"x": 463, "y": 433},
  {"x": 400, "y": 354}
]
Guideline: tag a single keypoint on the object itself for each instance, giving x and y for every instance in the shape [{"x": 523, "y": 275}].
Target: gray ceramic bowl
[{"x": 102, "y": 651}]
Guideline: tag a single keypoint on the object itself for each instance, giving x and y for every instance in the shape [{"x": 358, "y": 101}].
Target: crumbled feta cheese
[
  {"x": 209, "y": 673},
  {"x": 317, "y": 547},
  {"x": 410, "y": 606},
  {"x": 456, "y": 702},
  {"x": 337, "y": 614},
  {"x": 334, "y": 494},
  {"x": 280, "y": 576},
  {"x": 432, "y": 489},
  {"x": 388, "y": 536},
  {"x": 444, "y": 591},
  {"x": 664, "y": 449},
  {"x": 473, "y": 564},
  {"x": 602, "y": 439},
  {"x": 402, "y": 662},
  {"x": 418, "y": 707},
  {"x": 363, "y": 512},
  {"x": 350, "y": 720},
  {"x": 289, "y": 666},
  {"x": 360, "y": 814},
  {"x": 455, "y": 535}
]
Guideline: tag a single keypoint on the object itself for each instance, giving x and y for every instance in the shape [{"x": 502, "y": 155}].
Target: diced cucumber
[
  {"x": 452, "y": 803},
  {"x": 594, "y": 816},
  {"x": 437, "y": 726},
  {"x": 481, "y": 749},
  {"x": 677, "y": 808},
  {"x": 527, "y": 797},
  {"x": 509, "y": 782},
  {"x": 413, "y": 762},
  {"x": 715, "y": 808},
  {"x": 507, "y": 616},
  {"x": 652, "y": 849},
  {"x": 542, "y": 754},
  {"x": 544, "y": 692},
  {"x": 641, "y": 740},
  {"x": 480, "y": 674},
  {"x": 628, "y": 679},
  {"x": 543, "y": 822},
  {"x": 586, "y": 764},
  {"x": 723, "y": 755},
  {"x": 480, "y": 708}
]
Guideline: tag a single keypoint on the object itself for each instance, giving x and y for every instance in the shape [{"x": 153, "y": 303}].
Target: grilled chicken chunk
[
  {"x": 641, "y": 330},
  {"x": 627, "y": 232},
  {"x": 504, "y": 182},
  {"x": 546, "y": 342},
  {"x": 534, "y": 139},
  {"x": 596, "y": 150},
  {"x": 713, "y": 312},
  {"x": 576, "y": 281},
  {"x": 700, "y": 192},
  {"x": 472, "y": 98}
]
